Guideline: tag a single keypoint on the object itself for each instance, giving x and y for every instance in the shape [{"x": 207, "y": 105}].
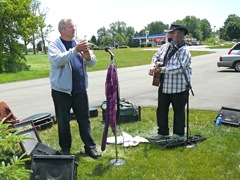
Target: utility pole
[
  {"x": 214, "y": 34},
  {"x": 147, "y": 33}
]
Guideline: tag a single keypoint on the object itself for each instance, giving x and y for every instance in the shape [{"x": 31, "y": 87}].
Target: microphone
[
  {"x": 170, "y": 40},
  {"x": 107, "y": 49}
]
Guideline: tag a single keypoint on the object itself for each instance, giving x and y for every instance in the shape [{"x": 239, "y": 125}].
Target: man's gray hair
[
  {"x": 181, "y": 34},
  {"x": 62, "y": 24}
]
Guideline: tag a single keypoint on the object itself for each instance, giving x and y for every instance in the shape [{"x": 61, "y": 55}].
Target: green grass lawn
[{"x": 218, "y": 157}]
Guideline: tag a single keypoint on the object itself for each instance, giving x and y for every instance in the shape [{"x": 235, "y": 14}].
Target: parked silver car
[
  {"x": 232, "y": 61},
  {"x": 235, "y": 49}
]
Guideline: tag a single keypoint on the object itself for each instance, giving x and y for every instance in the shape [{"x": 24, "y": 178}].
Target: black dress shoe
[
  {"x": 93, "y": 153},
  {"x": 65, "y": 152}
]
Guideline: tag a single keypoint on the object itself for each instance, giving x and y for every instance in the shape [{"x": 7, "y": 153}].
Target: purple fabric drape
[{"x": 111, "y": 86}]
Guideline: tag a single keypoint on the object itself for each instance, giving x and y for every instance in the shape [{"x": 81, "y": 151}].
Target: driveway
[{"x": 213, "y": 88}]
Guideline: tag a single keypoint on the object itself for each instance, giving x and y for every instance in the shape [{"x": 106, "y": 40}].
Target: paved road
[{"x": 213, "y": 87}]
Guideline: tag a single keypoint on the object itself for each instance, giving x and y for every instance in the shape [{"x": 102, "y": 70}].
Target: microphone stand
[
  {"x": 115, "y": 161},
  {"x": 188, "y": 144}
]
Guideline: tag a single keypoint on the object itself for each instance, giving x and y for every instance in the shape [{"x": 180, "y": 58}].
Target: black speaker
[
  {"x": 57, "y": 167},
  {"x": 42, "y": 149},
  {"x": 231, "y": 116},
  {"x": 32, "y": 144}
]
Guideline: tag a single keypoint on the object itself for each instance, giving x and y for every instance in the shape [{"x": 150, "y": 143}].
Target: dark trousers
[
  {"x": 178, "y": 102},
  {"x": 79, "y": 103}
]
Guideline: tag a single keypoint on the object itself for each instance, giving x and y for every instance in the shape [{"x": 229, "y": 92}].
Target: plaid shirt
[{"x": 174, "y": 80}]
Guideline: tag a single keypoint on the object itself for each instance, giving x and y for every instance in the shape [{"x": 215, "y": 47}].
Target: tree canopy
[
  {"x": 13, "y": 15},
  {"x": 20, "y": 20},
  {"x": 231, "y": 28}
]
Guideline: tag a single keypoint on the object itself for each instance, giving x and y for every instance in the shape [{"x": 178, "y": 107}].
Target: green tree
[
  {"x": 94, "y": 40},
  {"x": 193, "y": 25},
  {"x": 13, "y": 14},
  {"x": 101, "y": 32},
  {"x": 129, "y": 35},
  {"x": 199, "y": 29},
  {"x": 205, "y": 29},
  {"x": 222, "y": 34},
  {"x": 38, "y": 22},
  {"x": 106, "y": 41},
  {"x": 28, "y": 27},
  {"x": 118, "y": 39},
  {"x": 34, "y": 26},
  {"x": 232, "y": 27},
  {"x": 43, "y": 34},
  {"x": 156, "y": 27},
  {"x": 118, "y": 27}
]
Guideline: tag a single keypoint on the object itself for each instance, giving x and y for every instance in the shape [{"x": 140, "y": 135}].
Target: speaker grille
[
  {"x": 57, "y": 167},
  {"x": 231, "y": 116}
]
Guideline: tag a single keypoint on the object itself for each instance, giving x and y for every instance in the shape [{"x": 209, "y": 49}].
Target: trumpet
[
  {"x": 79, "y": 40},
  {"x": 87, "y": 45}
]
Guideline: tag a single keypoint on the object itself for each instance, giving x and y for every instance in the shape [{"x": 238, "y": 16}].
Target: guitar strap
[{"x": 170, "y": 52}]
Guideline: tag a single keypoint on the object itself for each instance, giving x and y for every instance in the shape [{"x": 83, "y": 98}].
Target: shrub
[
  {"x": 149, "y": 45},
  {"x": 12, "y": 167}
]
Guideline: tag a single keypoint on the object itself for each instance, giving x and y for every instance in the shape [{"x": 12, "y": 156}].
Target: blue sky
[{"x": 90, "y": 15}]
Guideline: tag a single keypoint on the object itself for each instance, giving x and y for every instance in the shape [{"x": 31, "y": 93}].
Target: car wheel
[{"x": 237, "y": 66}]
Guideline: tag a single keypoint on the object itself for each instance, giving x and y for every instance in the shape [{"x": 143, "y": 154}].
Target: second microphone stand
[{"x": 189, "y": 88}]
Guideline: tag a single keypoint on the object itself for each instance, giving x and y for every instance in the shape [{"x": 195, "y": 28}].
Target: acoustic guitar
[{"x": 156, "y": 79}]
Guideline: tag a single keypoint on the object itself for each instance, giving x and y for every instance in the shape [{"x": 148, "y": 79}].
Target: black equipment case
[
  {"x": 129, "y": 112},
  {"x": 41, "y": 121}
]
